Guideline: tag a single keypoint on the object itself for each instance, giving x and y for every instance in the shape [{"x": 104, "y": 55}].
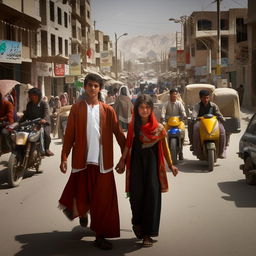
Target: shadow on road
[
  {"x": 193, "y": 166},
  {"x": 242, "y": 194},
  {"x": 70, "y": 243}
]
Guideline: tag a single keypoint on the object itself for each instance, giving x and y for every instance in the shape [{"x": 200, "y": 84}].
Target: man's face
[
  {"x": 205, "y": 99},
  {"x": 34, "y": 98},
  {"x": 173, "y": 96},
  {"x": 92, "y": 88}
]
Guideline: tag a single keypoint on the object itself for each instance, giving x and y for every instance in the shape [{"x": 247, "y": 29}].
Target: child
[{"x": 144, "y": 153}]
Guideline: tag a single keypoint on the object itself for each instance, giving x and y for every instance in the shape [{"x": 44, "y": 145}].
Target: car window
[{"x": 252, "y": 126}]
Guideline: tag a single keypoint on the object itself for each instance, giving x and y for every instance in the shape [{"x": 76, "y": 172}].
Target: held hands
[
  {"x": 63, "y": 166},
  {"x": 174, "y": 169},
  {"x": 120, "y": 167}
]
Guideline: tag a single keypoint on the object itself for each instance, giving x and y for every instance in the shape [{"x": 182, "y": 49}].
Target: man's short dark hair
[
  {"x": 95, "y": 78},
  {"x": 35, "y": 91},
  {"x": 173, "y": 90},
  {"x": 203, "y": 93}
]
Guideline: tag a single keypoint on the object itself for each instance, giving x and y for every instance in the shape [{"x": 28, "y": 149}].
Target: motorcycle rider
[
  {"x": 205, "y": 106},
  {"x": 6, "y": 115},
  {"x": 37, "y": 108},
  {"x": 174, "y": 107}
]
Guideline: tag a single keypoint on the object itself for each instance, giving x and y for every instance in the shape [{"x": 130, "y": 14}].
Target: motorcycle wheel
[
  {"x": 173, "y": 149},
  {"x": 211, "y": 154},
  {"x": 15, "y": 172}
]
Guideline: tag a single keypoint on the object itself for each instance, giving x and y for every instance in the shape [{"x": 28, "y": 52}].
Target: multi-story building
[
  {"x": 19, "y": 21},
  {"x": 201, "y": 42},
  {"x": 250, "y": 90}
]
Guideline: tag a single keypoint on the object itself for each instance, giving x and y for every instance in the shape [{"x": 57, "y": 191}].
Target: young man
[
  {"x": 91, "y": 186},
  {"x": 37, "y": 108},
  {"x": 205, "y": 106},
  {"x": 174, "y": 107}
]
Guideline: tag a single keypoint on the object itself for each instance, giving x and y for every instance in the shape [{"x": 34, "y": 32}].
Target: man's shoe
[
  {"x": 48, "y": 153},
  {"x": 83, "y": 221}
]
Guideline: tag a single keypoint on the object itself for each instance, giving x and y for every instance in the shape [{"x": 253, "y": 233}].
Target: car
[{"x": 247, "y": 151}]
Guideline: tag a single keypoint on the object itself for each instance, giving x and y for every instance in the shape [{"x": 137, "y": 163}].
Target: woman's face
[{"x": 144, "y": 111}]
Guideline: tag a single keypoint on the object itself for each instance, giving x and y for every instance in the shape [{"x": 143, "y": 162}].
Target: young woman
[{"x": 144, "y": 153}]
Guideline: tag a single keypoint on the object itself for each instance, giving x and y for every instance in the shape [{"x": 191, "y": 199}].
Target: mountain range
[{"x": 146, "y": 47}]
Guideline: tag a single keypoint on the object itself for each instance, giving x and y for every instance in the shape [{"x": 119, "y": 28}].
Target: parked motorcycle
[
  {"x": 176, "y": 135},
  {"x": 28, "y": 149},
  {"x": 210, "y": 138}
]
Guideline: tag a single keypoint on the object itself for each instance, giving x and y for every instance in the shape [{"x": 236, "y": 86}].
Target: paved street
[{"x": 208, "y": 214}]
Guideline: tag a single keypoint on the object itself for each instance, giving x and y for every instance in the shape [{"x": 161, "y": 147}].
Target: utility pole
[{"x": 218, "y": 68}]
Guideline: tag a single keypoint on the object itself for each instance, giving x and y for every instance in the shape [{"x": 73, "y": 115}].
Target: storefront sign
[
  {"x": 74, "y": 64},
  {"x": 10, "y": 51},
  {"x": 44, "y": 69},
  {"x": 59, "y": 69},
  {"x": 173, "y": 57},
  {"x": 105, "y": 59}
]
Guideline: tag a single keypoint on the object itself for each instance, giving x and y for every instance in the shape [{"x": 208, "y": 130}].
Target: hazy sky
[{"x": 149, "y": 17}]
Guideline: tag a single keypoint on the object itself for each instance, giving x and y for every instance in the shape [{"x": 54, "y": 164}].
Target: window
[
  {"x": 241, "y": 30},
  {"x": 252, "y": 126},
  {"x": 223, "y": 24},
  {"x": 52, "y": 11},
  {"x": 53, "y": 44},
  {"x": 60, "y": 45},
  {"x": 59, "y": 16},
  {"x": 66, "y": 47},
  {"x": 88, "y": 14},
  {"x": 65, "y": 19},
  {"x": 204, "y": 25}
]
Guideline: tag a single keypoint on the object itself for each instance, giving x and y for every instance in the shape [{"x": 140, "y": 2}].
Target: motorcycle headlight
[
  {"x": 34, "y": 136},
  {"x": 21, "y": 138}
]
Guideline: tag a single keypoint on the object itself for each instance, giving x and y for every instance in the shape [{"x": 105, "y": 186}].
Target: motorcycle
[
  {"x": 28, "y": 149},
  {"x": 176, "y": 135},
  {"x": 209, "y": 139}
]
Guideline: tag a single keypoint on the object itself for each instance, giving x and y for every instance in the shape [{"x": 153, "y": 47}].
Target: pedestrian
[
  {"x": 63, "y": 100},
  {"x": 240, "y": 91},
  {"x": 144, "y": 153},
  {"x": 123, "y": 107},
  {"x": 91, "y": 185}
]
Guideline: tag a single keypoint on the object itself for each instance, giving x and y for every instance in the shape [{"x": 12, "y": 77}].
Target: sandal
[
  {"x": 147, "y": 241},
  {"x": 137, "y": 231},
  {"x": 102, "y": 243}
]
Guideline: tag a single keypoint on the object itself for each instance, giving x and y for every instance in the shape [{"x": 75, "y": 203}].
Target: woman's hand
[
  {"x": 174, "y": 170},
  {"x": 63, "y": 166},
  {"x": 120, "y": 167}
]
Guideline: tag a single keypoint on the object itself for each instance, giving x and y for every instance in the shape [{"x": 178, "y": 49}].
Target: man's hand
[
  {"x": 63, "y": 166},
  {"x": 43, "y": 121}
]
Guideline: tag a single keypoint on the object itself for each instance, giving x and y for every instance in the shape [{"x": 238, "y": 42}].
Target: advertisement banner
[
  {"x": 181, "y": 60},
  {"x": 59, "y": 69},
  {"x": 173, "y": 57},
  {"x": 75, "y": 64},
  {"x": 105, "y": 59},
  {"x": 10, "y": 51}
]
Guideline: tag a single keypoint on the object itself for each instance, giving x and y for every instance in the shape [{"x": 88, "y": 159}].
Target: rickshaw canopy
[
  {"x": 228, "y": 101},
  {"x": 191, "y": 93}
]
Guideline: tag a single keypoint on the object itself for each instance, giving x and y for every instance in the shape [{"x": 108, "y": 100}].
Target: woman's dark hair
[
  {"x": 123, "y": 91},
  {"x": 95, "y": 78},
  {"x": 35, "y": 91},
  {"x": 203, "y": 93},
  {"x": 142, "y": 99}
]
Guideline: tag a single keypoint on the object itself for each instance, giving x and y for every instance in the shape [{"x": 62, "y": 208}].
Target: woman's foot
[
  {"x": 102, "y": 243},
  {"x": 137, "y": 231},
  {"x": 147, "y": 241}
]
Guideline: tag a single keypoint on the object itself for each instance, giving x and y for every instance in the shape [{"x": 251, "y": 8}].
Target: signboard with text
[
  {"x": 75, "y": 64},
  {"x": 10, "y": 51},
  {"x": 105, "y": 59},
  {"x": 59, "y": 69}
]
